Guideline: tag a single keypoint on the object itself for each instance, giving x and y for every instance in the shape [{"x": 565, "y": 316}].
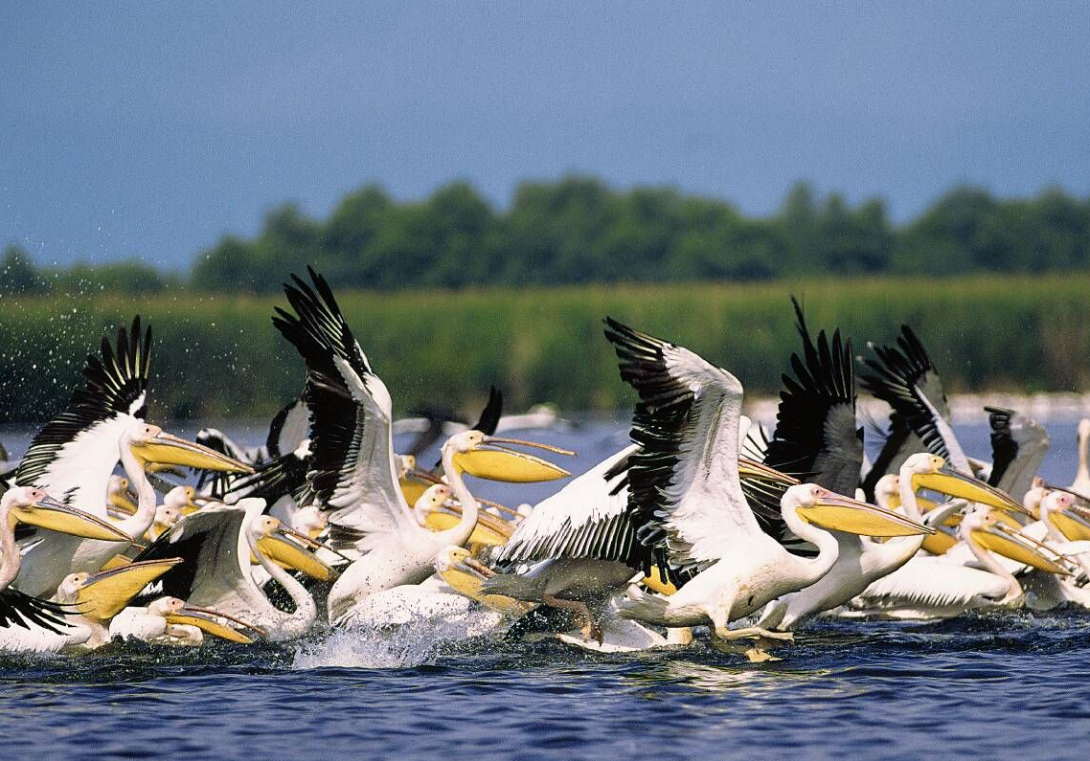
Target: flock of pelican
[{"x": 706, "y": 526}]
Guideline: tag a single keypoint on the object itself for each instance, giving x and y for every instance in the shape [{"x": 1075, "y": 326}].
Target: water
[{"x": 1001, "y": 686}]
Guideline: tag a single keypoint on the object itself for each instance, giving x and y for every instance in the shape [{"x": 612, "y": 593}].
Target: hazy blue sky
[{"x": 150, "y": 129}]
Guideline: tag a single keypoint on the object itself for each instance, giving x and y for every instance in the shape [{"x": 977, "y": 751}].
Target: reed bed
[{"x": 218, "y": 356}]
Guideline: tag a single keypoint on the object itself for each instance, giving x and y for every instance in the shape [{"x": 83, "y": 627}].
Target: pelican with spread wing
[
  {"x": 686, "y": 496},
  {"x": 353, "y": 471}
]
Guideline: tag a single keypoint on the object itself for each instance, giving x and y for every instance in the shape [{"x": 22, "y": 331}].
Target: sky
[{"x": 150, "y": 130}]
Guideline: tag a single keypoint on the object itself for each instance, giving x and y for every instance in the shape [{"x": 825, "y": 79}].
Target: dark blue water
[{"x": 1008, "y": 686}]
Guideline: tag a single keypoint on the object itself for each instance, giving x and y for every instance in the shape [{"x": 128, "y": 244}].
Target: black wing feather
[{"x": 114, "y": 385}]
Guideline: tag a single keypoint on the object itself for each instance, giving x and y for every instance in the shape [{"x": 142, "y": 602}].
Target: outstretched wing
[
  {"x": 588, "y": 518},
  {"x": 683, "y": 480},
  {"x": 73, "y": 456},
  {"x": 353, "y": 473},
  {"x": 816, "y": 435},
  {"x": 906, "y": 379}
]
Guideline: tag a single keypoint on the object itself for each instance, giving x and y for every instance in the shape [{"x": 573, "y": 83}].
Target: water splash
[{"x": 417, "y": 644}]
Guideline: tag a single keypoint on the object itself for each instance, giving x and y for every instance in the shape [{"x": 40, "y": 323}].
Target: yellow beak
[
  {"x": 466, "y": 576},
  {"x": 1021, "y": 549},
  {"x": 107, "y": 593},
  {"x": 489, "y": 530},
  {"x": 166, "y": 450},
  {"x": 498, "y": 463},
  {"x": 57, "y": 516},
  {"x": 205, "y": 620},
  {"x": 280, "y": 548},
  {"x": 844, "y": 514},
  {"x": 1072, "y": 524},
  {"x": 948, "y": 481},
  {"x": 940, "y": 542}
]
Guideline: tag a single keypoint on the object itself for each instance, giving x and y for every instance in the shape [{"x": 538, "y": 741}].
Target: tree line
[{"x": 580, "y": 230}]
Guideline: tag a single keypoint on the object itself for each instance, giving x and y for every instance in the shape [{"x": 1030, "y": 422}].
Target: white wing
[{"x": 684, "y": 480}]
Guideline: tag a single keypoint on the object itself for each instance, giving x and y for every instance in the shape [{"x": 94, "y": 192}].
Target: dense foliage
[
  {"x": 579, "y": 230},
  {"x": 218, "y": 356}
]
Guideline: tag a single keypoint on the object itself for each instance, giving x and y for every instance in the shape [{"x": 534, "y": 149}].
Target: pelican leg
[
  {"x": 679, "y": 635},
  {"x": 590, "y": 629},
  {"x": 752, "y": 631}
]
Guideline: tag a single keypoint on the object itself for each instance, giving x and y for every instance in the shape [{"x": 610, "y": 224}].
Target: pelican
[
  {"x": 217, "y": 544},
  {"x": 864, "y": 561},
  {"x": 29, "y": 623},
  {"x": 353, "y": 472},
  {"x": 170, "y": 621},
  {"x": 685, "y": 495},
  {"x": 51, "y": 558},
  {"x": 936, "y": 587}
]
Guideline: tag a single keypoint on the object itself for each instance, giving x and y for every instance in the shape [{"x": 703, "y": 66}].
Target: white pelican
[
  {"x": 685, "y": 494},
  {"x": 936, "y": 587},
  {"x": 354, "y": 468},
  {"x": 49, "y": 558},
  {"x": 217, "y": 544},
  {"x": 863, "y": 561},
  {"x": 905, "y": 378},
  {"x": 29, "y": 623},
  {"x": 170, "y": 621}
]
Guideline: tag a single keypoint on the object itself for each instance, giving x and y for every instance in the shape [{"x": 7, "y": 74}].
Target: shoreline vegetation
[{"x": 217, "y": 355}]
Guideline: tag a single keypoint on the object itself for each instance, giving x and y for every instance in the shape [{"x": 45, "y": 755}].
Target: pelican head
[
  {"x": 490, "y": 457},
  {"x": 151, "y": 445},
  {"x": 289, "y": 548},
  {"x": 25, "y": 504},
  {"x": 182, "y": 498},
  {"x": 929, "y": 471},
  {"x": 826, "y": 509},
  {"x": 165, "y": 517},
  {"x": 987, "y": 528},
  {"x": 1033, "y": 496},
  {"x": 432, "y": 499},
  {"x": 309, "y": 520},
  {"x": 120, "y": 495},
  {"x": 68, "y": 591},
  {"x": 887, "y": 492}
]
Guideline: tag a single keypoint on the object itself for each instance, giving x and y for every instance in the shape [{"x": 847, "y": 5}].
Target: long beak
[
  {"x": 498, "y": 463},
  {"x": 761, "y": 472},
  {"x": 489, "y": 530},
  {"x": 166, "y": 449},
  {"x": 280, "y": 548},
  {"x": 57, "y": 516},
  {"x": 843, "y": 514},
  {"x": 1072, "y": 523},
  {"x": 949, "y": 481},
  {"x": 107, "y": 593},
  {"x": 206, "y": 621},
  {"x": 1005, "y": 541}
]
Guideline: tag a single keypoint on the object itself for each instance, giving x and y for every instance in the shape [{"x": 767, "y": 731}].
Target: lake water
[{"x": 1007, "y": 686}]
